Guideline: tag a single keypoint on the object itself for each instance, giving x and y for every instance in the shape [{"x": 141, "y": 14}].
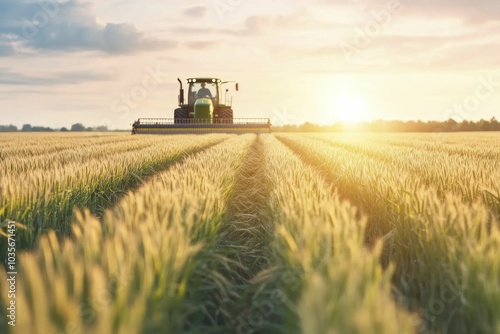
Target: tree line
[
  {"x": 77, "y": 127},
  {"x": 397, "y": 126},
  {"x": 373, "y": 126}
]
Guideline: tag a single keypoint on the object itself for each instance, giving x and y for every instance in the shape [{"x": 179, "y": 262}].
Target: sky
[{"x": 320, "y": 61}]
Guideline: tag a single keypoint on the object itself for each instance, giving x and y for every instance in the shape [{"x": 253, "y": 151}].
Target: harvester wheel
[
  {"x": 181, "y": 115},
  {"x": 226, "y": 115}
]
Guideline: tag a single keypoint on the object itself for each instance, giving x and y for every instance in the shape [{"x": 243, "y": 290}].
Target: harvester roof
[{"x": 204, "y": 80}]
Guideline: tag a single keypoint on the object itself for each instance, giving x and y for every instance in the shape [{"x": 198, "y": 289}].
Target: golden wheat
[{"x": 286, "y": 233}]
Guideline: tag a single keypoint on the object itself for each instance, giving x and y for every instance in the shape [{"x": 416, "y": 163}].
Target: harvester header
[{"x": 207, "y": 111}]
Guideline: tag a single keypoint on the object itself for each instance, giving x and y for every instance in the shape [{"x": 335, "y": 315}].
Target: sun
[{"x": 348, "y": 108}]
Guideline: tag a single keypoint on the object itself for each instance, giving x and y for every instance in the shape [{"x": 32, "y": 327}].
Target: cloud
[
  {"x": 9, "y": 77},
  {"x": 199, "y": 45},
  {"x": 70, "y": 26},
  {"x": 6, "y": 48},
  {"x": 253, "y": 25},
  {"x": 411, "y": 39},
  {"x": 195, "y": 12},
  {"x": 266, "y": 24},
  {"x": 414, "y": 53},
  {"x": 476, "y": 11}
]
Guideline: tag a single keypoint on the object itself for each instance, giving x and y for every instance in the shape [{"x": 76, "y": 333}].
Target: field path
[{"x": 241, "y": 249}]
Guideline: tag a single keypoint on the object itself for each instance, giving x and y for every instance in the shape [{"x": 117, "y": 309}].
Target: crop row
[
  {"x": 474, "y": 145},
  {"x": 129, "y": 271},
  {"x": 472, "y": 177},
  {"x": 45, "y": 199},
  {"x": 240, "y": 238},
  {"x": 441, "y": 245},
  {"x": 331, "y": 283},
  {"x": 255, "y": 234},
  {"x": 26, "y": 144}
]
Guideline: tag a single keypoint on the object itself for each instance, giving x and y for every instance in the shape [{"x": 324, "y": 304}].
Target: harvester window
[{"x": 204, "y": 90}]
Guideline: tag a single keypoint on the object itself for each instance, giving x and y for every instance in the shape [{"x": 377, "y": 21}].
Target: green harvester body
[{"x": 203, "y": 108}]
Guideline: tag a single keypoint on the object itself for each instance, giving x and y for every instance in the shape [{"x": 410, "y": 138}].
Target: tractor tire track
[
  {"x": 247, "y": 234},
  {"x": 242, "y": 249}
]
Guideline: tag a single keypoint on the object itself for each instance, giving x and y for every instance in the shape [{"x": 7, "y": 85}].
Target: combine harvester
[{"x": 204, "y": 112}]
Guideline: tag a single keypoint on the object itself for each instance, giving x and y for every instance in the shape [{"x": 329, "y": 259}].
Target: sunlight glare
[{"x": 349, "y": 108}]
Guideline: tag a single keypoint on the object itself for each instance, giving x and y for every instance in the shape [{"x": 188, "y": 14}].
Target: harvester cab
[{"x": 206, "y": 110}]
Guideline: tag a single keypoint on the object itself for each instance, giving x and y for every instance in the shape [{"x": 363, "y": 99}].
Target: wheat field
[{"x": 275, "y": 233}]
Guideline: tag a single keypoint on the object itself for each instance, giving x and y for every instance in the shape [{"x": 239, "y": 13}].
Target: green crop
[{"x": 286, "y": 233}]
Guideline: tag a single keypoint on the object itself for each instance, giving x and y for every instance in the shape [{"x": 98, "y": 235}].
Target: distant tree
[
  {"x": 285, "y": 128},
  {"x": 64, "y": 129},
  {"x": 8, "y": 128},
  {"x": 78, "y": 127},
  {"x": 89, "y": 129},
  {"x": 309, "y": 127},
  {"x": 102, "y": 128},
  {"x": 468, "y": 126},
  {"x": 41, "y": 129},
  {"x": 494, "y": 124},
  {"x": 449, "y": 125},
  {"x": 26, "y": 127}
]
